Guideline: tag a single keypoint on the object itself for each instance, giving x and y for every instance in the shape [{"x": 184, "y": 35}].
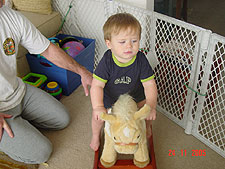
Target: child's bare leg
[{"x": 96, "y": 129}]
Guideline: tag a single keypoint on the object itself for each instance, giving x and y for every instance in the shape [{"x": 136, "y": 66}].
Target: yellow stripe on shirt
[
  {"x": 98, "y": 78},
  {"x": 147, "y": 79}
]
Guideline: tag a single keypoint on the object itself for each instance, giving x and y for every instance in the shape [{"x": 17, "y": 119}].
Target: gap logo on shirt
[
  {"x": 123, "y": 79},
  {"x": 9, "y": 46}
]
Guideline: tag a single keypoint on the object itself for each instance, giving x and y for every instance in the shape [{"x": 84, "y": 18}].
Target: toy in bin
[
  {"x": 35, "y": 79},
  {"x": 54, "y": 89},
  {"x": 72, "y": 46},
  {"x": 55, "y": 40}
]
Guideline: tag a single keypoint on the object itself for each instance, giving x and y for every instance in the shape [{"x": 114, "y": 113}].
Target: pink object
[{"x": 73, "y": 48}]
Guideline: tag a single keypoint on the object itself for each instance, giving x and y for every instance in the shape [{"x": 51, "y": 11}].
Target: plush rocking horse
[{"x": 125, "y": 132}]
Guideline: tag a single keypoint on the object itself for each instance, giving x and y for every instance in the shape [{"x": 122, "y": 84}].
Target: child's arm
[
  {"x": 151, "y": 97},
  {"x": 97, "y": 98}
]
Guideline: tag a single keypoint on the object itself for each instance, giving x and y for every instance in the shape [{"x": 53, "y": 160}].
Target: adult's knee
[
  {"x": 65, "y": 122},
  {"x": 43, "y": 152},
  {"x": 34, "y": 153},
  {"x": 63, "y": 119},
  {"x": 40, "y": 153}
]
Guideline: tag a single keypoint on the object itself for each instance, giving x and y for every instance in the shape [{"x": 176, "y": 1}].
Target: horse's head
[{"x": 126, "y": 129}]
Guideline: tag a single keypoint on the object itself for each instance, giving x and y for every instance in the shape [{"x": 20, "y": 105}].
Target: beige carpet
[
  {"x": 71, "y": 145},
  {"x": 169, "y": 136}
]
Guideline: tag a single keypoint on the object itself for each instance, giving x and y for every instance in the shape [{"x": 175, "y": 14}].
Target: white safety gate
[
  {"x": 189, "y": 63},
  {"x": 209, "y": 111}
]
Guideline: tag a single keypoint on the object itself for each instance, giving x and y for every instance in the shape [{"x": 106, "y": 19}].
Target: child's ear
[{"x": 108, "y": 44}]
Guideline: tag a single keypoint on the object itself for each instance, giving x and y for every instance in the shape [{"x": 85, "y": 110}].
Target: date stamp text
[{"x": 184, "y": 152}]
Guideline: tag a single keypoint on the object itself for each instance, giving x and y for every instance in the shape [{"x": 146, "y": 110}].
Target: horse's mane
[{"x": 124, "y": 107}]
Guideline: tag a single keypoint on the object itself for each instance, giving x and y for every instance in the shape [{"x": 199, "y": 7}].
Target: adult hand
[
  {"x": 4, "y": 125},
  {"x": 86, "y": 80}
]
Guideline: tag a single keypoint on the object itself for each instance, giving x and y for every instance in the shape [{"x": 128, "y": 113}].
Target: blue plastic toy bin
[{"x": 68, "y": 80}]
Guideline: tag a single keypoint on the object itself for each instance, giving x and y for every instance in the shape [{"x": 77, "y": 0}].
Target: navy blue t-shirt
[{"x": 121, "y": 78}]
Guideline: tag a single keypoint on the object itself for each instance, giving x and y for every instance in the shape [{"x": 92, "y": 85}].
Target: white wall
[{"x": 146, "y": 4}]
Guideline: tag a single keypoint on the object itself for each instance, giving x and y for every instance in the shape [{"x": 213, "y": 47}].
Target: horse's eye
[
  {"x": 138, "y": 136},
  {"x": 114, "y": 138}
]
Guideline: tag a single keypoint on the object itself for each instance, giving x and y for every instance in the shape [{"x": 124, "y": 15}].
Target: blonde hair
[{"x": 118, "y": 22}]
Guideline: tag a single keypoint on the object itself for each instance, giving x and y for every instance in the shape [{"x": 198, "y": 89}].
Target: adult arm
[
  {"x": 57, "y": 56},
  {"x": 4, "y": 125}
]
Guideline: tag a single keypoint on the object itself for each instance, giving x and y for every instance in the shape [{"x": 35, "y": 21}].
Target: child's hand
[
  {"x": 97, "y": 111},
  {"x": 152, "y": 115}
]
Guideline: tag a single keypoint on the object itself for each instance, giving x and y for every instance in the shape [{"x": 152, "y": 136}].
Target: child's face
[{"x": 124, "y": 45}]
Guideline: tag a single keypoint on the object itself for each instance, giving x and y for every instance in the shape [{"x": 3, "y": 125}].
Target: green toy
[{"x": 34, "y": 79}]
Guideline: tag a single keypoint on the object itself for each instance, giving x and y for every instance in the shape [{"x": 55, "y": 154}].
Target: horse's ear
[
  {"x": 142, "y": 113},
  {"x": 108, "y": 117}
]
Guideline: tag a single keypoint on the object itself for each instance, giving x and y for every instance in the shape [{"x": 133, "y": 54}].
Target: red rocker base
[{"x": 127, "y": 164}]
